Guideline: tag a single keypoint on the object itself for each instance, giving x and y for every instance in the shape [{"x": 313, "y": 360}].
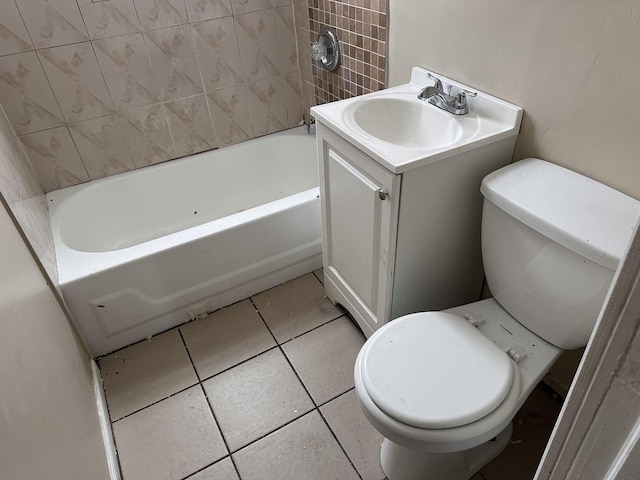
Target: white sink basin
[
  {"x": 407, "y": 122},
  {"x": 402, "y": 132}
]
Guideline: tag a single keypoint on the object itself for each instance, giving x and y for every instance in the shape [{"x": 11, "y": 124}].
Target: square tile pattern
[{"x": 263, "y": 389}]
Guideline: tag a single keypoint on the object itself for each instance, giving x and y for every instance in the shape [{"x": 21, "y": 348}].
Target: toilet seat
[{"x": 403, "y": 362}]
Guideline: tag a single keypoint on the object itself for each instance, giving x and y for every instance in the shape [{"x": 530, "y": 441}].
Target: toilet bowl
[
  {"x": 448, "y": 451},
  {"x": 443, "y": 387}
]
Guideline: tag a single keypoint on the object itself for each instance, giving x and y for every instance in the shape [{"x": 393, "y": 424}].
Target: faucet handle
[
  {"x": 461, "y": 98},
  {"x": 460, "y": 102},
  {"x": 468, "y": 93},
  {"x": 437, "y": 83}
]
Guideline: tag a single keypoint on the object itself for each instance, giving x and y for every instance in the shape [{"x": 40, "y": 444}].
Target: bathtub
[{"x": 143, "y": 251}]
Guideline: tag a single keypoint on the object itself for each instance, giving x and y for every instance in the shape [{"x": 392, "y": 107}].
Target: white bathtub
[{"x": 143, "y": 251}]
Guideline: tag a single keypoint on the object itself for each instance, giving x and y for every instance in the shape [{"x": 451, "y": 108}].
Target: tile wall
[
  {"x": 361, "y": 26},
  {"x": 21, "y": 190},
  {"x": 98, "y": 87}
]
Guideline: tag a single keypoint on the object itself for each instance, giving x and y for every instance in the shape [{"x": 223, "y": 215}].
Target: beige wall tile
[
  {"x": 285, "y": 31},
  {"x": 54, "y": 22},
  {"x": 267, "y": 105},
  {"x": 127, "y": 71},
  {"x": 199, "y": 10},
  {"x": 147, "y": 77},
  {"x": 191, "y": 125},
  {"x": 12, "y": 167},
  {"x": 247, "y": 6},
  {"x": 13, "y": 37},
  {"x": 34, "y": 221},
  {"x": 173, "y": 58},
  {"x": 55, "y": 158},
  {"x": 293, "y": 98},
  {"x": 161, "y": 13},
  {"x": 256, "y": 37},
  {"x": 9, "y": 175},
  {"x": 148, "y": 136},
  {"x": 218, "y": 54},
  {"x": 26, "y": 94},
  {"x": 109, "y": 18},
  {"x": 76, "y": 80},
  {"x": 20, "y": 186},
  {"x": 100, "y": 145},
  {"x": 229, "y": 109}
]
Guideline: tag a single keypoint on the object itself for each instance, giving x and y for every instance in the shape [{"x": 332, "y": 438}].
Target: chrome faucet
[{"x": 435, "y": 94}]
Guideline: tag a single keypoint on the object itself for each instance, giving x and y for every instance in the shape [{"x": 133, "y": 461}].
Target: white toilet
[{"x": 443, "y": 387}]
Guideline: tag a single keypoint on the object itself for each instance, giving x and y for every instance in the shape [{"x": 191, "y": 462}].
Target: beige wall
[
  {"x": 572, "y": 65},
  {"x": 48, "y": 417}
]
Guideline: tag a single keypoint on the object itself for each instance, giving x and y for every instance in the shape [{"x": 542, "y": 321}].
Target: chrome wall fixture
[{"x": 326, "y": 49}]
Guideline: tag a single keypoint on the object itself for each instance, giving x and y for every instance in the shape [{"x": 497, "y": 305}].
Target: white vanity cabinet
[
  {"x": 396, "y": 243},
  {"x": 360, "y": 202}
]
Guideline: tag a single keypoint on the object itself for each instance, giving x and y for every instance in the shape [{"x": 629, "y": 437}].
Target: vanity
[{"x": 401, "y": 205}]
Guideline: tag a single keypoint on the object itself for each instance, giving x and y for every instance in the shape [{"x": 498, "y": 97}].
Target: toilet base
[{"x": 401, "y": 463}]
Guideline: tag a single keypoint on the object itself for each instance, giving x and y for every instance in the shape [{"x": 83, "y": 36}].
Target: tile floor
[{"x": 263, "y": 389}]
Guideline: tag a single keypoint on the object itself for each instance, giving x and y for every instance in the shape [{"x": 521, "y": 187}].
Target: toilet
[{"x": 443, "y": 387}]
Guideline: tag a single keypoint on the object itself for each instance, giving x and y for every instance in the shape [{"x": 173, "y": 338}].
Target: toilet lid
[{"x": 435, "y": 370}]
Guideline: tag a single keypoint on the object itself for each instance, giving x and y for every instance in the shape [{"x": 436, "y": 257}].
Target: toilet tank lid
[{"x": 579, "y": 213}]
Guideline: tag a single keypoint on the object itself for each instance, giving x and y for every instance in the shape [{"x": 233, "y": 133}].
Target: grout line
[
  {"x": 215, "y": 419},
  {"x": 191, "y": 475},
  {"x": 270, "y": 432},
  {"x": 336, "y": 397},
  {"x": 175, "y": 327},
  {"x": 338, "y": 442},
  {"x": 308, "y": 331},
  {"x": 284, "y": 354},
  {"x": 316, "y": 406},
  {"x": 154, "y": 403},
  {"x": 317, "y": 409},
  {"x": 237, "y": 364}
]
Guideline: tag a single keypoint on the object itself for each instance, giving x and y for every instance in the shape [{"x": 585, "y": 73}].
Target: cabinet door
[{"x": 360, "y": 203}]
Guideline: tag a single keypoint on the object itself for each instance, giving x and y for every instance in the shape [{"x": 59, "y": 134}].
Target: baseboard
[{"x": 105, "y": 423}]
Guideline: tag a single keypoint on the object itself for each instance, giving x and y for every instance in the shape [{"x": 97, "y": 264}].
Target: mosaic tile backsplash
[
  {"x": 98, "y": 87},
  {"x": 361, "y": 26}
]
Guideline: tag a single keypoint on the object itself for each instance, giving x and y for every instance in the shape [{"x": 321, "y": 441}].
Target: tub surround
[
  {"x": 362, "y": 31},
  {"x": 158, "y": 253},
  {"x": 112, "y": 86},
  {"x": 25, "y": 197}
]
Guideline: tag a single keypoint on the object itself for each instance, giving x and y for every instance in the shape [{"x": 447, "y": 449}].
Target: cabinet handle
[{"x": 382, "y": 194}]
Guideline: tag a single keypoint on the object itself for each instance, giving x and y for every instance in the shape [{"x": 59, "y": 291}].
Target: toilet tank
[{"x": 551, "y": 242}]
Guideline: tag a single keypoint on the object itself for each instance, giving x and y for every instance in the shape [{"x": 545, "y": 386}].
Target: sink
[
  {"x": 402, "y": 132},
  {"x": 407, "y": 122}
]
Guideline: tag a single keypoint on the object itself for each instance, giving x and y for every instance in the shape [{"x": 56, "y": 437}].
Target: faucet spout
[
  {"x": 429, "y": 92},
  {"x": 435, "y": 95}
]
